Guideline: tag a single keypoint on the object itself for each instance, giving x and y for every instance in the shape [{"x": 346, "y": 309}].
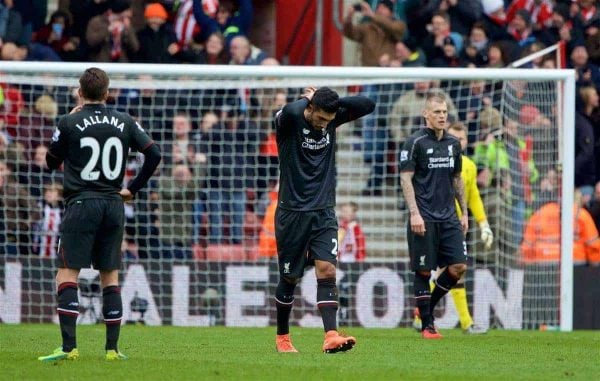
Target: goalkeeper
[{"x": 468, "y": 174}]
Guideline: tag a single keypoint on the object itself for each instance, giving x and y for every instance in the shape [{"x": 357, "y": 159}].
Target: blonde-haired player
[{"x": 475, "y": 205}]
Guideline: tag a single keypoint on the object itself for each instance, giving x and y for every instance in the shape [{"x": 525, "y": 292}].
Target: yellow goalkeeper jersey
[{"x": 474, "y": 203}]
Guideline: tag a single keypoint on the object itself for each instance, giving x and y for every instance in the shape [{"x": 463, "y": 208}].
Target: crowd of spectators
[{"x": 219, "y": 147}]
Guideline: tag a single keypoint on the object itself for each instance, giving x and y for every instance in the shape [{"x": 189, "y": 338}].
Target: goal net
[{"x": 199, "y": 244}]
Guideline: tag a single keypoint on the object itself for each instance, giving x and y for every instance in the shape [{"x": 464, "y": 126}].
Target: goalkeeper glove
[{"x": 486, "y": 235}]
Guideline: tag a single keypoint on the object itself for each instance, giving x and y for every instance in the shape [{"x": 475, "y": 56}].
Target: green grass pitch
[{"x": 219, "y": 353}]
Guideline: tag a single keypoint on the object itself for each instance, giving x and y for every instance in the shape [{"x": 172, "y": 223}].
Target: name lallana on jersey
[{"x": 95, "y": 119}]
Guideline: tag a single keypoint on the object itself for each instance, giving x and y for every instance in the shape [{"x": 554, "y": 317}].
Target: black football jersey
[
  {"x": 94, "y": 144},
  {"x": 435, "y": 163},
  {"x": 307, "y": 155}
]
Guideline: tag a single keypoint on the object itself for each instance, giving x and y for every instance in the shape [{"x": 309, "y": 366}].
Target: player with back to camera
[
  {"x": 94, "y": 141},
  {"x": 305, "y": 222},
  {"x": 430, "y": 172}
]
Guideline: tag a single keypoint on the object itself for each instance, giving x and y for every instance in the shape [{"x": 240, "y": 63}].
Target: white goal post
[{"x": 257, "y": 77}]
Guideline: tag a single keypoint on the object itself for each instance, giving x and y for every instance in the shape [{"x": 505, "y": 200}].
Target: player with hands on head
[
  {"x": 430, "y": 172},
  {"x": 306, "y": 226},
  {"x": 94, "y": 141}
]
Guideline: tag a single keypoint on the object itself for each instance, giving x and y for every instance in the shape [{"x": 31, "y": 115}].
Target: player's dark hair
[
  {"x": 326, "y": 99},
  {"x": 94, "y": 84}
]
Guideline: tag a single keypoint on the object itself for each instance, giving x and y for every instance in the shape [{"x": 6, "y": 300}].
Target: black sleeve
[
  {"x": 352, "y": 108},
  {"x": 288, "y": 112},
  {"x": 58, "y": 146},
  {"x": 152, "y": 158},
  {"x": 408, "y": 156}
]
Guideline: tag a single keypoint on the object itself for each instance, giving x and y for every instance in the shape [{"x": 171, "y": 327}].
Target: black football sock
[
  {"x": 423, "y": 298},
  {"x": 112, "y": 309},
  {"x": 284, "y": 300},
  {"x": 327, "y": 301},
  {"x": 443, "y": 284},
  {"x": 68, "y": 311}
]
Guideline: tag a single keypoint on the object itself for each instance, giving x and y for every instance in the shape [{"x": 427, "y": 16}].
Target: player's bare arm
[
  {"x": 417, "y": 224},
  {"x": 459, "y": 189}
]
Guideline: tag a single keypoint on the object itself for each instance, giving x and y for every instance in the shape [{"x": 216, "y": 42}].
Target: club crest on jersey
[
  {"x": 286, "y": 268},
  {"x": 449, "y": 150},
  {"x": 305, "y": 131}
]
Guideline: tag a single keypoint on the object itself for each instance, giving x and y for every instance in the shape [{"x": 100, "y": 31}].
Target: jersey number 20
[{"x": 110, "y": 173}]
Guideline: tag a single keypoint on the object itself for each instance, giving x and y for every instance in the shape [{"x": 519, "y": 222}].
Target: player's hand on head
[
  {"x": 309, "y": 92},
  {"x": 126, "y": 195}
]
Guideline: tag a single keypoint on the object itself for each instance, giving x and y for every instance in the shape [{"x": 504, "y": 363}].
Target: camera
[{"x": 357, "y": 7}]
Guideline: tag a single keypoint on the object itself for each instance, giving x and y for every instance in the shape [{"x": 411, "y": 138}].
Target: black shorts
[
  {"x": 443, "y": 244},
  {"x": 303, "y": 237},
  {"x": 91, "y": 232}
]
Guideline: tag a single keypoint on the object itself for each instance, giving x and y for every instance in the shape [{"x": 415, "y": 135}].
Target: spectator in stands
[
  {"x": 231, "y": 148},
  {"x": 11, "y": 108},
  {"x": 267, "y": 245},
  {"x": 110, "y": 36},
  {"x": 540, "y": 10},
  {"x": 594, "y": 205},
  {"x": 244, "y": 53},
  {"x": 351, "y": 239},
  {"x": 585, "y": 160},
  {"x": 186, "y": 27},
  {"x": 82, "y": 11},
  {"x": 57, "y": 35},
  {"x": 158, "y": 42},
  {"x": 48, "y": 227},
  {"x": 562, "y": 27},
  {"x": 450, "y": 57},
  {"x": 377, "y": 32},
  {"x": 587, "y": 73},
  {"x": 592, "y": 41},
  {"x": 268, "y": 160},
  {"x": 37, "y": 127},
  {"x": 406, "y": 115},
  {"x": 11, "y": 23},
  {"x": 495, "y": 56},
  {"x": 183, "y": 150},
  {"x": 463, "y": 13},
  {"x": 34, "y": 174},
  {"x": 19, "y": 213},
  {"x": 229, "y": 21},
  {"x": 494, "y": 20},
  {"x": 541, "y": 241},
  {"x": 520, "y": 29},
  {"x": 31, "y": 52},
  {"x": 590, "y": 111},
  {"x": 510, "y": 153},
  {"x": 475, "y": 50},
  {"x": 214, "y": 51},
  {"x": 177, "y": 193},
  {"x": 129, "y": 250},
  {"x": 470, "y": 100},
  {"x": 589, "y": 11},
  {"x": 409, "y": 53},
  {"x": 433, "y": 44}
]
